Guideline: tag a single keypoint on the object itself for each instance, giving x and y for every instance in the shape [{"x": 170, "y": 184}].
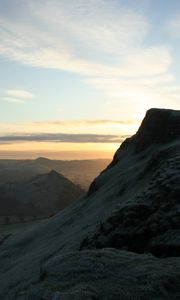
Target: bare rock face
[
  {"x": 107, "y": 274},
  {"x": 160, "y": 126},
  {"x": 121, "y": 241}
]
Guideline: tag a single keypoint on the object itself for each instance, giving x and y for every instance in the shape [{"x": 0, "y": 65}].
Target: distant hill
[
  {"x": 42, "y": 195},
  {"x": 81, "y": 172}
]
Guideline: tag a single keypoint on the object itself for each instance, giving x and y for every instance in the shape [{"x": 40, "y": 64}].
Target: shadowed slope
[{"x": 132, "y": 206}]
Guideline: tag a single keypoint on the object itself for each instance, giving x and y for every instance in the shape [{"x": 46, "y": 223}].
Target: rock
[
  {"x": 81, "y": 293},
  {"x": 3, "y": 238},
  {"x": 109, "y": 274}
]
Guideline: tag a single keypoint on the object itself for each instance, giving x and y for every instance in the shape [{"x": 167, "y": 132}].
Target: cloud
[
  {"x": 77, "y": 36},
  {"x": 85, "y": 122},
  {"x": 124, "y": 87},
  {"x": 138, "y": 94},
  {"x": 19, "y": 94},
  {"x": 148, "y": 62},
  {"x": 97, "y": 24},
  {"x": 93, "y": 38},
  {"x": 13, "y": 100},
  {"x": 62, "y": 138},
  {"x": 88, "y": 128},
  {"x": 104, "y": 41}
]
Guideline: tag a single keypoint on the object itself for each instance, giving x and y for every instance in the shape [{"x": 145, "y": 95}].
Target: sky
[{"x": 77, "y": 76}]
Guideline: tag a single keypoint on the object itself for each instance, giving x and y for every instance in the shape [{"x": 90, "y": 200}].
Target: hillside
[
  {"x": 121, "y": 241},
  {"x": 41, "y": 196}
]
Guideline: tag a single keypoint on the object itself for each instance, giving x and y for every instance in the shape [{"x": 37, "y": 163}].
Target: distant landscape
[
  {"x": 33, "y": 190},
  {"x": 80, "y": 172}
]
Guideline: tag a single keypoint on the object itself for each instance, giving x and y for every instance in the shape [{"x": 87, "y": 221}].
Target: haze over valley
[
  {"x": 37, "y": 189},
  {"x": 80, "y": 172}
]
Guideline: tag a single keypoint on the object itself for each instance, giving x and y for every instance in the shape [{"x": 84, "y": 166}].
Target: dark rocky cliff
[{"x": 159, "y": 126}]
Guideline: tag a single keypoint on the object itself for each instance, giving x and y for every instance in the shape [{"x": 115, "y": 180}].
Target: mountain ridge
[{"x": 18, "y": 170}]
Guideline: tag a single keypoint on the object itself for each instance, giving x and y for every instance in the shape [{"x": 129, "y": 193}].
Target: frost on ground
[
  {"x": 107, "y": 274},
  {"x": 121, "y": 241}
]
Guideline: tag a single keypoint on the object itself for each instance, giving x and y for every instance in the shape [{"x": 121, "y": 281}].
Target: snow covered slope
[{"x": 121, "y": 241}]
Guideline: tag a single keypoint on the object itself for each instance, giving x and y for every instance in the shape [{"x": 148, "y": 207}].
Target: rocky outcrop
[
  {"x": 107, "y": 275},
  {"x": 158, "y": 128}
]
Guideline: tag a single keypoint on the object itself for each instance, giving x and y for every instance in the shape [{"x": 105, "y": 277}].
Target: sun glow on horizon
[{"x": 60, "y": 139}]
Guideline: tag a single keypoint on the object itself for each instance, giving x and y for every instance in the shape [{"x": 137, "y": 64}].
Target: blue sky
[{"x": 77, "y": 60}]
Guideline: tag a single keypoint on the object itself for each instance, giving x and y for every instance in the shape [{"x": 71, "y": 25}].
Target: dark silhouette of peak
[
  {"x": 55, "y": 174},
  {"x": 41, "y": 159},
  {"x": 50, "y": 177},
  {"x": 158, "y": 126}
]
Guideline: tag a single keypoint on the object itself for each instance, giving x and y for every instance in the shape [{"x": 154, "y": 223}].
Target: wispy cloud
[
  {"x": 80, "y": 35},
  {"x": 105, "y": 41},
  {"x": 138, "y": 94},
  {"x": 102, "y": 25},
  {"x": 85, "y": 122},
  {"x": 162, "y": 86},
  {"x": 62, "y": 138},
  {"x": 16, "y": 96},
  {"x": 19, "y": 94},
  {"x": 85, "y": 127},
  {"x": 13, "y": 100}
]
